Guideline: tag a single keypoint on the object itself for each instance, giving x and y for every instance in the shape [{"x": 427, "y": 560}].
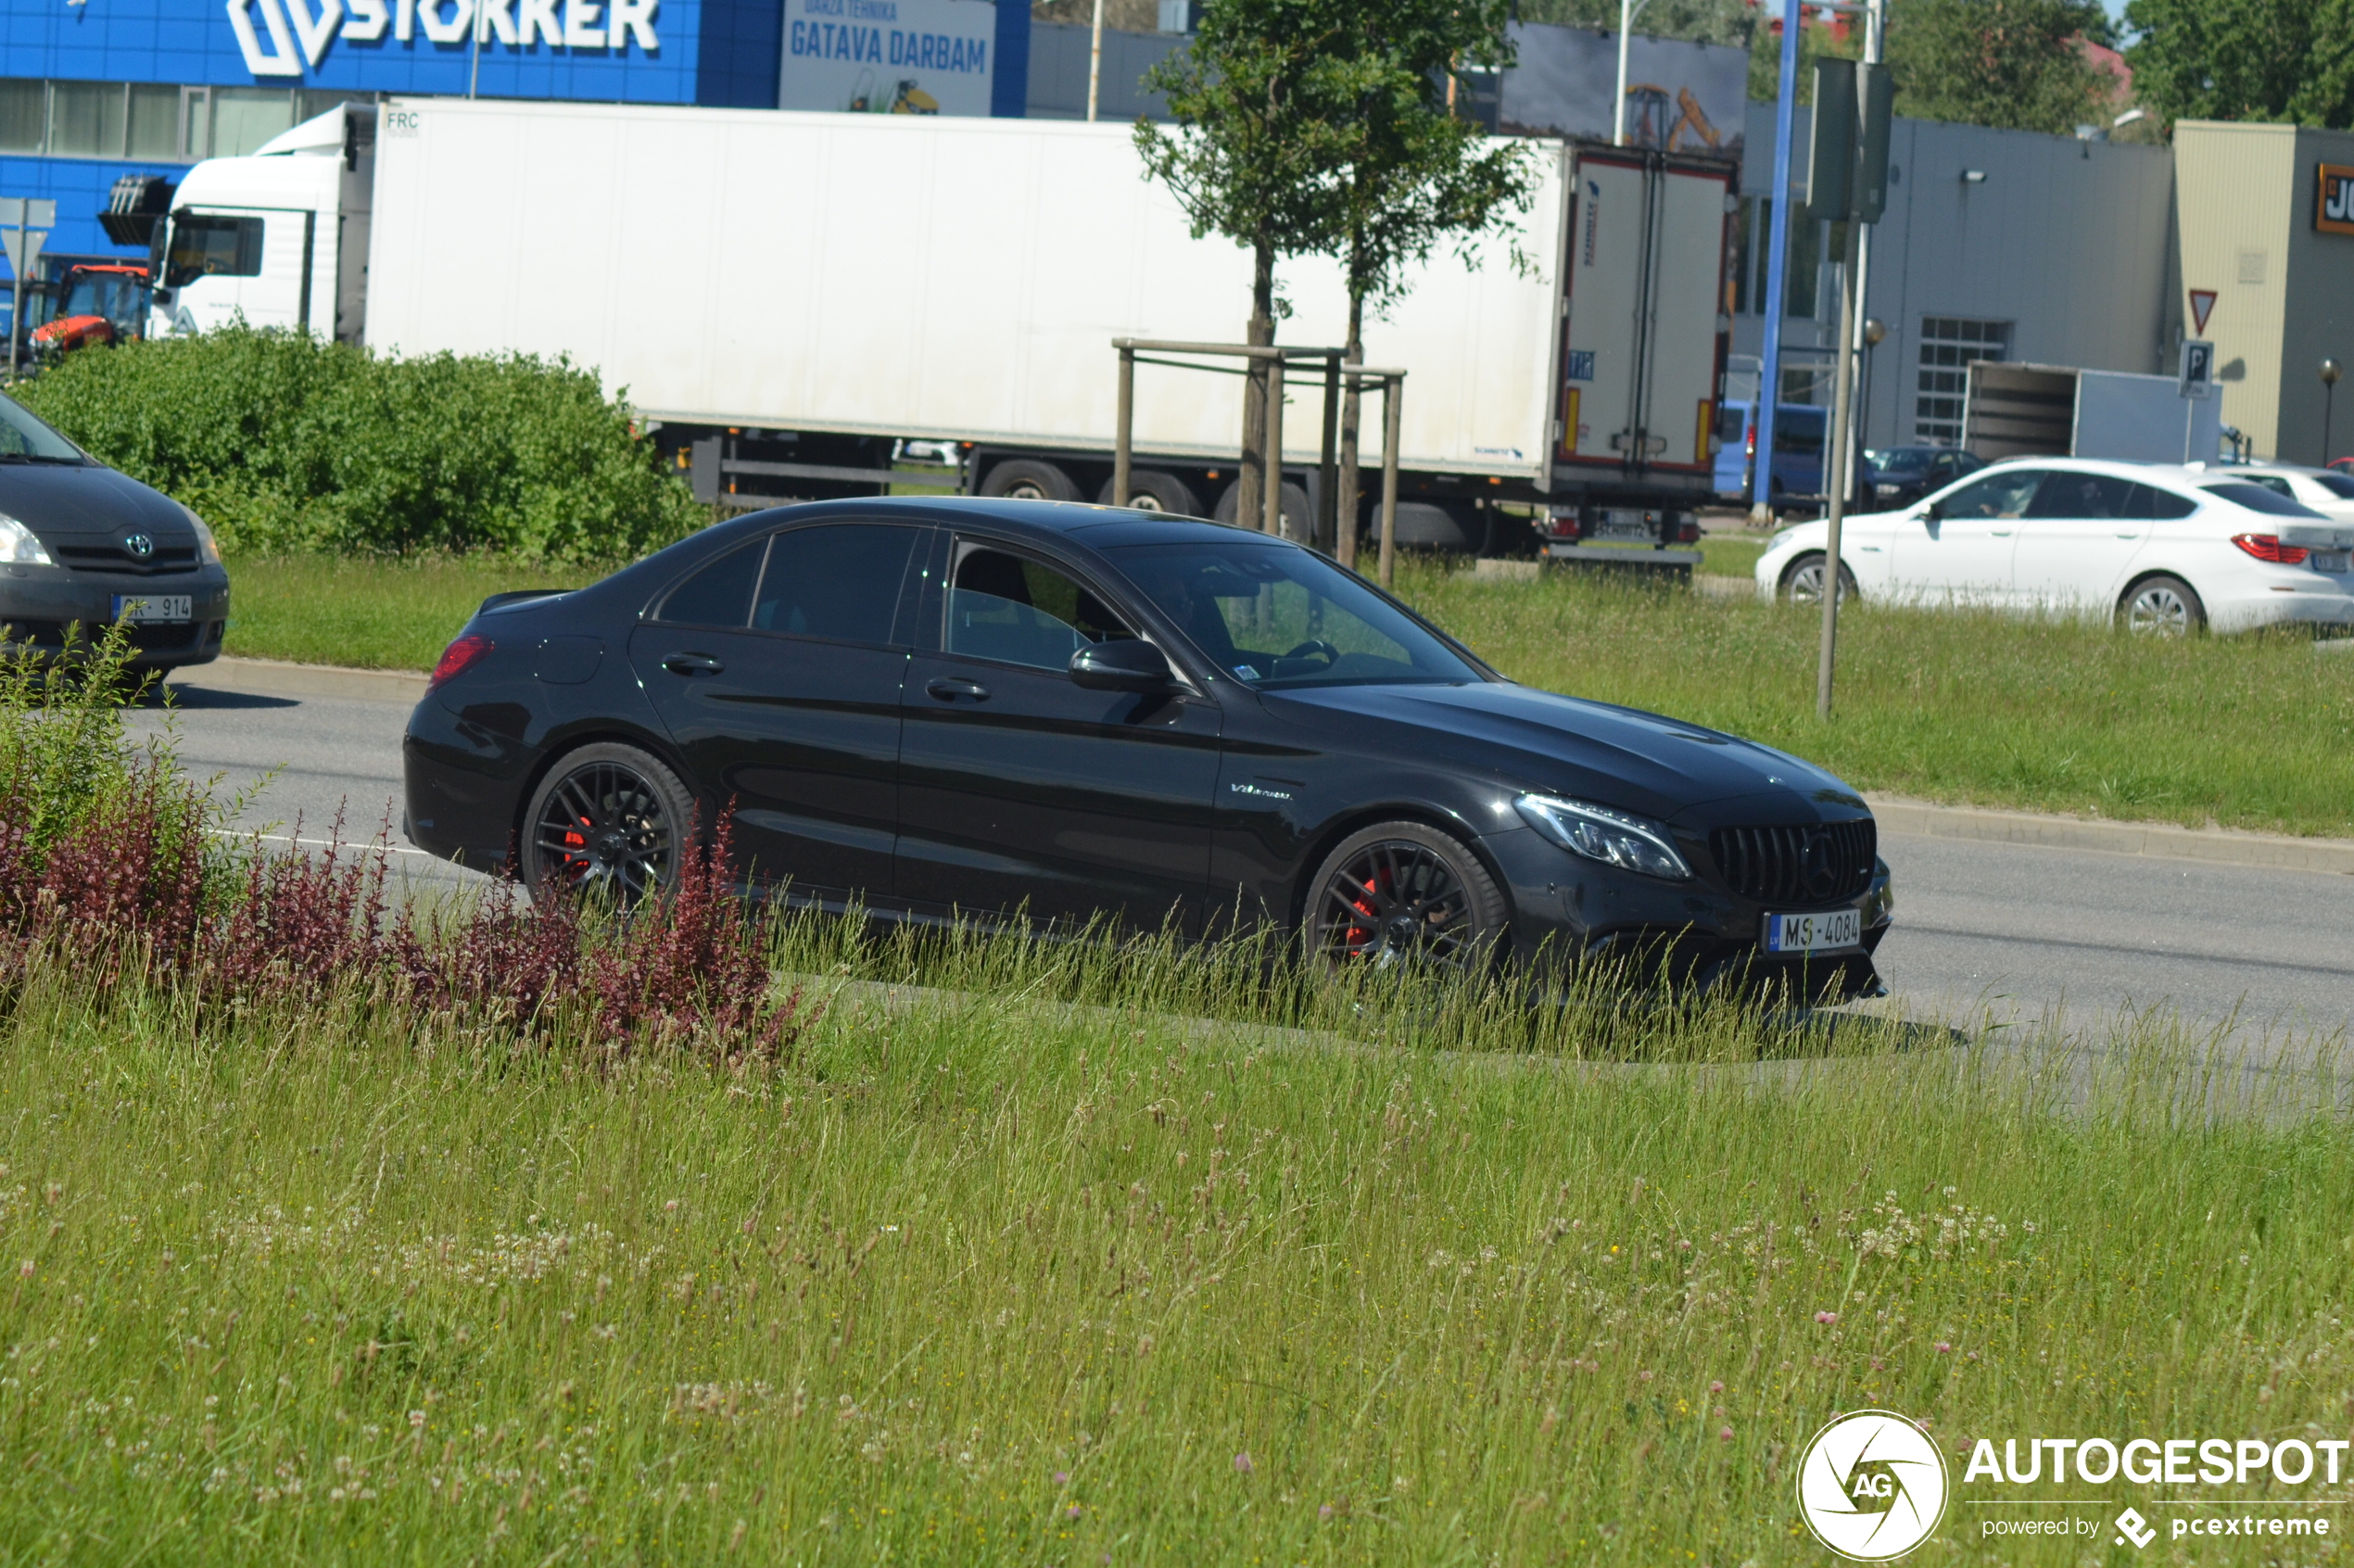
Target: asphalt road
[{"x": 1983, "y": 930}]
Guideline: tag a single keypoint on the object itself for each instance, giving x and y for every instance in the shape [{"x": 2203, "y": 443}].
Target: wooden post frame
[
  {"x": 1135, "y": 350},
  {"x": 1124, "y": 443}
]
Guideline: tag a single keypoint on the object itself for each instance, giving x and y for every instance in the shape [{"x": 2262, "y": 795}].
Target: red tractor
[{"x": 96, "y": 302}]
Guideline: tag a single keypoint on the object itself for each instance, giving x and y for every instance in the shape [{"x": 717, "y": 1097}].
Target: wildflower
[
  {"x": 1242, "y": 1464},
  {"x": 1062, "y": 1478},
  {"x": 1717, "y": 1387},
  {"x": 1944, "y": 1347},
  {"x": 671, "y": 1208},
  {"x": 1324, "y": 1511},
  {"x": 1826, "y": 1317},
  {"x": 1073, "y": 1511},
  {"x": 1725, "y": 1435},
  {"x": 24, "y": 1269}
]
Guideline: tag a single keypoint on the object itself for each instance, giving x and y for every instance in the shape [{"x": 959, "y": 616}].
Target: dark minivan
[{"x": 82, "y": 544}]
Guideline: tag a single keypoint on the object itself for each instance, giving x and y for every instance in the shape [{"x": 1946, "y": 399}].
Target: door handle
[
  {"x": 692, "y": 665},
  {"x": 949, "y": 690},
  {"x": 2000, "y": 533}
]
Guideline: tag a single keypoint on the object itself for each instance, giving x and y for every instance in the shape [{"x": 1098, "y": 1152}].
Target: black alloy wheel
[
  {"x": 1401, "y": 893},
  {"x": 607, "y": 820}
]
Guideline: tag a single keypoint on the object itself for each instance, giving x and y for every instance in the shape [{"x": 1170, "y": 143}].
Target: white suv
[{"x": 2169, "y": 549}]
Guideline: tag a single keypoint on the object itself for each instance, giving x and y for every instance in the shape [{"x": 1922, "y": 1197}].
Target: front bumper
[
  {"x": 1570, "y": 912},
  {"x": 38, "y": 603}
]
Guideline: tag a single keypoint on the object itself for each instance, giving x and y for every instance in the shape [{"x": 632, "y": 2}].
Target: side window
[
  {"x": 1010, "y": 608},
  {"x": 2271, "y": 482},
  {"x": 1997, "y": 494},
  {"x": 838, "y": 580},
  {"x": 2067, "y": 493},
  {"x": 2166, "y": 506},
  {"x": 719, "y": 595},
  {"x": 209, "y": 245}
]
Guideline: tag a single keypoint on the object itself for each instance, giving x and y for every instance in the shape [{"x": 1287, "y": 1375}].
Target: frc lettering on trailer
[{"x": 521, "y": 24}]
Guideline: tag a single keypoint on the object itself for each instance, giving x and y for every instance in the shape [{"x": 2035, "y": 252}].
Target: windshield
[
  {"x": 2255, "y": 498},
  {"x": 121, "y": 297},
  {"x": 1274, "y": 616},
  {"x": 1902, "y": 460},
  {"x": 25, "y": 439}
]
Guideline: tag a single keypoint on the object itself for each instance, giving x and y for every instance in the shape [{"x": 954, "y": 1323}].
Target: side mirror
[
  {"x": 1930, "y": 512},
  {"x": 1130, "y": 664}
]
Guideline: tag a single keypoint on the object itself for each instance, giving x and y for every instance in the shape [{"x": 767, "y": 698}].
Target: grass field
[
  {"x": 2249, "y": 731},
  {"x": 1002, "y": 1280},
  {"x": 2252, "y": 731},
  {"x": 371, "y": 611}
]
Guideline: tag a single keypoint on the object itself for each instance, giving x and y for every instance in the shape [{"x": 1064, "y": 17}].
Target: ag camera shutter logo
[{"x": 1872, "y": 1486}]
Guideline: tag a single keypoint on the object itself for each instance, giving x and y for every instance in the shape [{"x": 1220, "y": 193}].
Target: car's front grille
[
  {"x": 1824, "y": 864},
  {"x": 113, "y": 558}
]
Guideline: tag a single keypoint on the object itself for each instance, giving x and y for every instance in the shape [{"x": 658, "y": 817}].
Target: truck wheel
[
  {"x": 1802, "y": 584},
  {"x": 1149, "y": 490},
  {"x": 1299, "y": 517},
  {"x": 1028, "y": 479},
  {"x": 1449, "y": 529}
]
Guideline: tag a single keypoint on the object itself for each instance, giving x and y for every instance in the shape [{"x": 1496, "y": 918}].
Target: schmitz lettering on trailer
[
  {"x": 1593, "y": 208},
  {"x": 300, "y": 30}
]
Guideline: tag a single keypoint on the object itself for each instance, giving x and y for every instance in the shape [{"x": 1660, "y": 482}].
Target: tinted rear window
[
  {"x": 2255, "y": 498},
  {"x": 719, "y": 595}
]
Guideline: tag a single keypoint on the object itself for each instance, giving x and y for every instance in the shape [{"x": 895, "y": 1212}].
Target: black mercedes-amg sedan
[{"x": 939, "y": 709}]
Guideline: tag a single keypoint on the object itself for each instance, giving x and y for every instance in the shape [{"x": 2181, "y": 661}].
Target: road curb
[
  {"x": 2215, "y": 846},
  {"x": 284, "y": 678}
]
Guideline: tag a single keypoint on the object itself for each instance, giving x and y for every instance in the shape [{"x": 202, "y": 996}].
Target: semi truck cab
[{"x": 280, "y": 237}]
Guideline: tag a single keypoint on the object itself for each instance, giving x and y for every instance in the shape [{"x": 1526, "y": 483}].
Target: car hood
[
  {"x": 64, "y": 501},
  {"x": 1622, "y": 757}
]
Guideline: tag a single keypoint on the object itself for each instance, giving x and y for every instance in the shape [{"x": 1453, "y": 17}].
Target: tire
[
  {"x": 1150, "y": 490},
  {"x": 2162, "y": 607},
  {"x": 1403, "y": 893},
  {"x": 1803, "y": 583},
  {"x": 1028, "y": 479},
  {"x": 1299, "y": 517},
  {"x": 1435, "y": 525},
  {"x": 608, "y": 819}
]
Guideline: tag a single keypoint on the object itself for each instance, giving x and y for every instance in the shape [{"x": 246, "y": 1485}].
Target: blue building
[{"x": 91, "y": 90}]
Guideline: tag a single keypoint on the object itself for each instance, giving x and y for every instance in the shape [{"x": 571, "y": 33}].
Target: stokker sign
[{"x": 291, "y": 32}]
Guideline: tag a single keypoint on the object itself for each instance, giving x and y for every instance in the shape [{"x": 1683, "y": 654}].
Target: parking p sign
[{"x": 2197, "y": 377}]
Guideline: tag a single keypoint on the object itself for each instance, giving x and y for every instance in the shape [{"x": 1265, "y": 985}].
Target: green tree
[
  {"x": 2244, "y": 59},
  {"x": 1411, "y": 173},
  {"x": 2017, "y": 64},
  {"x": 1248, "y": 156}
]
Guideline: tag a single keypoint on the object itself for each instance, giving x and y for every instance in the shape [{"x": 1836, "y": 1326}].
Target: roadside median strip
[
  {"x": 2216, "y": 846},
  {"x": 284, "y": 678}
]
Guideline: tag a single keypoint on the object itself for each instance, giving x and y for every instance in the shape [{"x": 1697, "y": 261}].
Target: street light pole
[{"x": 2330, "y": 372}]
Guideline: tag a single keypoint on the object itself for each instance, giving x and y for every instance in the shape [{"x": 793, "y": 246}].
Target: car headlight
[
  {"x": 1611, "y": 837},
  {"x": 20, "y": 546},
  {"x": 207, "y": 548}
]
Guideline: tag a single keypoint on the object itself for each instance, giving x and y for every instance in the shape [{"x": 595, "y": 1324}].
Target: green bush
[{"x": 284, "y": 442}]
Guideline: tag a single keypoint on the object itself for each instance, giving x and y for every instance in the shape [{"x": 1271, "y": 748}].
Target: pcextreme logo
[{"x": 1871, "y": 1485}]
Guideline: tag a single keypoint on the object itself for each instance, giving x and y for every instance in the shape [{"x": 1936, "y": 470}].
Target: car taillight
[
  {"x": 1688, "y": 531},
  {"x": 458, "y": 658},
  {"x": 2267, "y": 547},
  {"x": 1749, "y": 442}
]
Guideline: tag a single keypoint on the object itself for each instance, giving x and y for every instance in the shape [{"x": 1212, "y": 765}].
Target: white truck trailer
[
  {"x": 2058, "y": 411},
  {"x": 784, "y": 296}
]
